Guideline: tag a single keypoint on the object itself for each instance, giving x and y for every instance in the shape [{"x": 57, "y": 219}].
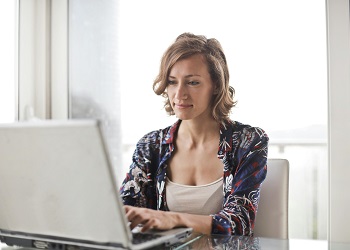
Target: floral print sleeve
[
  {"x": 138, "y": 188},
  {"x": 144, "y": 184},
  {"x": 244, "y": 154}
]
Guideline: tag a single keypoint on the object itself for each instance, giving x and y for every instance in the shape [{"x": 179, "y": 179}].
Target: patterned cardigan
[{"x": 243, "y": 152}]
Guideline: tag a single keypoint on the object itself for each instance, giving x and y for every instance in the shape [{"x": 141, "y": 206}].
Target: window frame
[
  {"x": 338, "y": 39},
  {"x": 43, "y": 59}
]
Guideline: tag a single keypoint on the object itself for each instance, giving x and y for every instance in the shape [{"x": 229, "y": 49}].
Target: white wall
[{"x": 339, "y": 118}]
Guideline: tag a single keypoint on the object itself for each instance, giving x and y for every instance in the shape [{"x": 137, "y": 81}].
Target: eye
[
  {"x": 193, "y": 83},
  {"x": 170, "y": 82}
]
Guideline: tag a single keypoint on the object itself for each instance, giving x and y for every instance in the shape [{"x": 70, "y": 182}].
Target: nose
[{"x": 181, "y": 92}]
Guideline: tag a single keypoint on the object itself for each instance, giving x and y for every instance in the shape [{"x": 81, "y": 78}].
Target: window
[
  {"x": 93, "y": 67},
  {"x": 276, "y": 51}
]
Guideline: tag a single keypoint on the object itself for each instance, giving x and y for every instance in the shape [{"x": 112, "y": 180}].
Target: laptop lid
[{"x": 57, "y": 184}]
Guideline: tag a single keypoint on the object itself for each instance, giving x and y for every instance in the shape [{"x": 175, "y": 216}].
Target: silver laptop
[{"x": 58, "y": 190}]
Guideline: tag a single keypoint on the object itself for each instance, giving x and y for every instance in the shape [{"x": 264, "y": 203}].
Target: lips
[{"x": 182, "y": 106}]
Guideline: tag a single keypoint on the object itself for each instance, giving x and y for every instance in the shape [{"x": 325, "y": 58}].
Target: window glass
[
  {"x": 7, "y": 60},
  {"x": 276, "y": 51},
  {"x": 93, "y": 67}
]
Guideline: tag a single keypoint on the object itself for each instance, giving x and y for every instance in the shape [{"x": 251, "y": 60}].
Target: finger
[
  {"x": 135, "y": 217},
  {"x": 145, "y": 228},
  {"x": 127, "y": 208},
  {"x": 133, "y": 224},
  {"x": 133, "y": 212},
  {"x": 150, "y": 224}
]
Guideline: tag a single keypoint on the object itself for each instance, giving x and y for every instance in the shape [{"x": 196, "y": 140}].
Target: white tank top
[{"x": 203, "y": 200}]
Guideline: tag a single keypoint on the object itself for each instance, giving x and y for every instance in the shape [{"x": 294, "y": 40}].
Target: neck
[{"x": 199, "y": 132}]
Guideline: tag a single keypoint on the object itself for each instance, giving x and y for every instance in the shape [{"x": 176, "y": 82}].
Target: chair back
[{"x": 272, "y": 217}]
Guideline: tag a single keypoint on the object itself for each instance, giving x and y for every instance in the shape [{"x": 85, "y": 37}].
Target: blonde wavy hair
[{"x": 186, "y": 45}]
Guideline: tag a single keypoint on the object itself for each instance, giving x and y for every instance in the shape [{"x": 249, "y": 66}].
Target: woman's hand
[
  {"x": 151, "y": 219},
  {"x": 163, "y": 220}
]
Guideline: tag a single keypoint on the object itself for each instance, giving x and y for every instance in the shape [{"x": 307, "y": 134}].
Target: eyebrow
[{"x": 187, "y": 76}]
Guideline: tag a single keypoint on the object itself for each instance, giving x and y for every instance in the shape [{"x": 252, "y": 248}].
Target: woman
[{"x": 205, "y": 170}]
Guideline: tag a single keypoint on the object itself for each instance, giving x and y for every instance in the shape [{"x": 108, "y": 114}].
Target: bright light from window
[
  {"x": 276, "y": 52},
  {"x": 7, "y": 60}
]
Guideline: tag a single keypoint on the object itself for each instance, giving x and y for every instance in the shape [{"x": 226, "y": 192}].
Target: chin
[{"x": 182, "y": 117}]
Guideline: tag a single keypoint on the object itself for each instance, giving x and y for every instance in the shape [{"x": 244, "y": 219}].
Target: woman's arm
[
  {"x": 242, "y": 185},
  {"x": 163, "y": 220},
  {"x": 138, "y": 187}
]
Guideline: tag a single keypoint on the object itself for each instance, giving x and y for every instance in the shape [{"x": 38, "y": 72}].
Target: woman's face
[{"x": 190, "y": 88}]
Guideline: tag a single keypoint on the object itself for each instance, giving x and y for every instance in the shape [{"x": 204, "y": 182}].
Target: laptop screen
[{"x": 55, "y": 176}]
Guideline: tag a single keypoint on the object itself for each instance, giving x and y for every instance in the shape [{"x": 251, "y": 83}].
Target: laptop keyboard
[{"x": 139, "y": 238}]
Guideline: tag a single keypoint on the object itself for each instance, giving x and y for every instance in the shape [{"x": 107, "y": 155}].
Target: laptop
[{"x": 58, "y": 190}]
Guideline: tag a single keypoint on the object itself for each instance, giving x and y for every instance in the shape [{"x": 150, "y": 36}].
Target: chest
[{"x": 195, "y": 167}]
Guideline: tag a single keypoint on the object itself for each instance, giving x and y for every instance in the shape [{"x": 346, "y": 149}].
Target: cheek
[
  {"x": 170, "y": 93},
  {"x": 170, "y": 98}
]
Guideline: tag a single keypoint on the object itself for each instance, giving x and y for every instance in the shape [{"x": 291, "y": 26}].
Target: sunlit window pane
[{"x": 93, "y": 67}]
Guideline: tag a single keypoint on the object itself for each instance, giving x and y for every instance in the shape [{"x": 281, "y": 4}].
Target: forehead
[{"x": 193, "y": 64}]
